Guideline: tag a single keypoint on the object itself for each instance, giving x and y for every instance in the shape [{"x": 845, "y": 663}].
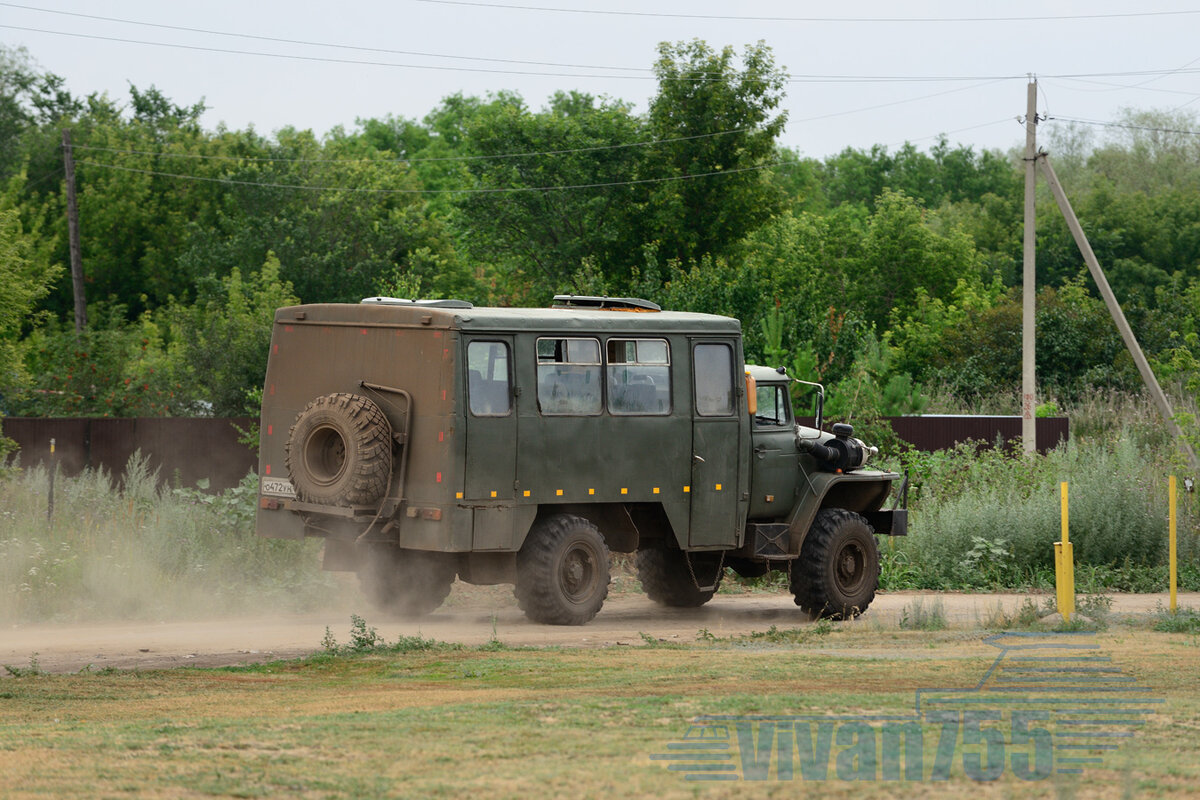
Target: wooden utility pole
[
  {"x": 1114, "y": 308},
  {"x": 1029, "y": 278},
  {"x": 73, "y": 234}
]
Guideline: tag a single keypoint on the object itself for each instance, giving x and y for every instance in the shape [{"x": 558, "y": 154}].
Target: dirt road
[{"x": 469, "y": 619}]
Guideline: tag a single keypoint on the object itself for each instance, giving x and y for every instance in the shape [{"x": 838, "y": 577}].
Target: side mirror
[{"x": 820, "y": 400}]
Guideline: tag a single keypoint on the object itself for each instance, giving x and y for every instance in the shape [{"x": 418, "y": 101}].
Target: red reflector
[
  {"x": 270, "y": 429},
  {"x": 363, "y": 331},
  {"x": 272, "y": 390},
  {"x": 267, "y": 470},
  {"x": 275, "y": 348},
  {"x": 441, "y": 436},
  {"x": 287, "y": 328},
  {"x": 439, "y": 477}
]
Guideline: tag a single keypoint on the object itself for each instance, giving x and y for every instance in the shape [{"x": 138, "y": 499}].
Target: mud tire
[
  {"x": 407, "y": 583},
  {"x": 339, "y": 451},
  {"x": 563, "y": 571},
  {"x": 838, "y": 570},
  {"x": 666, "y": 580}
]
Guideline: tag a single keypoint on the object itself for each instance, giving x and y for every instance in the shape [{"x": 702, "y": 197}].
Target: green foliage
[
  {"x": 985, "y": 519},
  {"x": 222, "y": 340},
  {"x": 22, "y": 282},
  {"x": 916, "y": 616},
  {"x": 112, "y": 369},
  {"x": 1184, "y": 620}
]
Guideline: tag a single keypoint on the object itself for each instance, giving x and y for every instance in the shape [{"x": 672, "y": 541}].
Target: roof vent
[
  {"x": 400, "y": 301},
  {"x": 604, "y": 303}
]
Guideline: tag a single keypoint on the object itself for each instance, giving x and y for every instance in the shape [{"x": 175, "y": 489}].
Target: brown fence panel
[
  {"x": 181, "y": 449},
  {"x": 187, "y": 450},
  {"x": 941, "y": 432}
]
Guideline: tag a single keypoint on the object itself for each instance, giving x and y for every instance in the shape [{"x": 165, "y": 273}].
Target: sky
[{"x": 863, "y": 73}]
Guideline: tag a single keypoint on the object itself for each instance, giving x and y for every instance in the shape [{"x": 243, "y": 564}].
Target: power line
[
  {"x": 1125, "y": 125},
  {"x": 505, "y": 190},
  {"x": 307, "y": 43},
  {"x": 322, "y": 59},
  {"x": 739, "y": 18},
  {"x": 566, "y": 151},
  {"x": 696, "y": 77}
]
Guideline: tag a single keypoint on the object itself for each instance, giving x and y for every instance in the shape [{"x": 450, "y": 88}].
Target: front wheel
[
  {"x": 838, "y": 570},
  {"x": 562, "y": 571}
]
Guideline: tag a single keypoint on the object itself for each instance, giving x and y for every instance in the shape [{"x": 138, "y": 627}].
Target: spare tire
[{"x": 339, "y": 451}]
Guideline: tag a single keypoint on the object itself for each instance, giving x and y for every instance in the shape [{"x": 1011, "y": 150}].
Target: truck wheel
[
  {"x": 666, "y": 579},
  {"x": 838, "y": 570},
  {"x": 562, "y": 571},
  {"x": 339, "y": 451},
  {"x": 410, "y": 583}
]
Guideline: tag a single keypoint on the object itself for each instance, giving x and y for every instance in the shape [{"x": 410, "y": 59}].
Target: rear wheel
[
  {"x": 667, "y": 580},
  {"x": 410, "y": 583},
  {"x": 838, "y": 570},
  {"x": 562, "y": 571}
]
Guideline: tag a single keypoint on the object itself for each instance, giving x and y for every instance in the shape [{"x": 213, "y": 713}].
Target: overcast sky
[{"x": 967, "y": 75}]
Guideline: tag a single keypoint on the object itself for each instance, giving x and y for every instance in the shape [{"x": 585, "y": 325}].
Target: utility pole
[
  {"x": 73, "y": 234},
  {"x": 1029, "y": 277},
  {"x": 1114, "y": 308}
]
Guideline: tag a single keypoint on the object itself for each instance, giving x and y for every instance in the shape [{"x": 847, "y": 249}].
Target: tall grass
[
  {"x": 990, "y": 518},
  {"x": 135, "y": 550}
]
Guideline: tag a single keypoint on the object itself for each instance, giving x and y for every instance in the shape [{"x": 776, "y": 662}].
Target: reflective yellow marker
[
  {"x": 1171, "y": 515},
  {"x": 1064, "y": 564}
]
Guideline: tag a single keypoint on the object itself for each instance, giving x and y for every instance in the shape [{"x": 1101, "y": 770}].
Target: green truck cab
[{"x": 429, "y": 440}]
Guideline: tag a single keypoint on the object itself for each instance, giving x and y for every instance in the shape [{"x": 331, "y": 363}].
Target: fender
[{"x": 862, "y": 492}]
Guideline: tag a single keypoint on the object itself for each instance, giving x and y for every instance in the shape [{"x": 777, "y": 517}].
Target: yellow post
[
  {"x": 1172, "y": 524},
  {"x": 1064, "y": 563}
]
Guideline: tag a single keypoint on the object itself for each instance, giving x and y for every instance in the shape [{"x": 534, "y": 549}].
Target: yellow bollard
[
  {"x": 1172, "y": 524},
  {"x": 1064, "y": 564}
]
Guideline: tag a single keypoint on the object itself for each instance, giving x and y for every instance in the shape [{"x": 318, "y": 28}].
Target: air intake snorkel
[{"x": 842, "y": 453}]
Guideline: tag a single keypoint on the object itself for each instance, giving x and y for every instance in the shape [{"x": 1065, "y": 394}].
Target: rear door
[{"x": 716, "y": 445}]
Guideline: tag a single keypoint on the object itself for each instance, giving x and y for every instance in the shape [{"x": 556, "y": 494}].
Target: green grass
[{"x": 451, "y": 721}]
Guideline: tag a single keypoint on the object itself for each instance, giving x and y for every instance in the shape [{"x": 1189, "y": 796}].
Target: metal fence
[
  {"x": 183, "y": 450},
  {"x": 186, "y": 450}
]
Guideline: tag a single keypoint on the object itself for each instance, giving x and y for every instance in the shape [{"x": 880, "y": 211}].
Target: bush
[{"x": 989, "y": 519}]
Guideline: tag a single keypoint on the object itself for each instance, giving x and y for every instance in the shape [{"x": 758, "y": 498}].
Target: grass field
[{"x": 417, "y": 718}]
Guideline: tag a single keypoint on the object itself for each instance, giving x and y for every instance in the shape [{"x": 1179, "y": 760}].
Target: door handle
[{"x": 698, "y": 458}]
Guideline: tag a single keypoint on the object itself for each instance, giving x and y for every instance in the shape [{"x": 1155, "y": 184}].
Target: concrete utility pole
[
  {"x": 1029, "y": 277},
  {"x": 73, "y": 234},
  {"x": 1114, "y": 308}
]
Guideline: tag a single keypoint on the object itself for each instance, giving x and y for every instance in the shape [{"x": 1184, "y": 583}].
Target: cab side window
[
  {"x": 639, "y": 376},
  {"x": 568, "y": 373},
  {"x": 489, "y": 381},
  {"x": 774, "y": 407}
]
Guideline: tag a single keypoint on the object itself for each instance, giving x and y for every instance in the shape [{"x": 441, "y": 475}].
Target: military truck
[{"x": 429, "y": 440}]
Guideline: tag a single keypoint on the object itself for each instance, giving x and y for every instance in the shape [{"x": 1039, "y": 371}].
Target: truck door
[
  {"x": 716, "y": 446},
  {"x": 491, "y": 457},
  {"x": 773, "y": 470}
]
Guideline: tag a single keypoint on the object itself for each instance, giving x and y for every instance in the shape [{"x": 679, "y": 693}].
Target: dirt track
[{"x": 473, "y": 620}]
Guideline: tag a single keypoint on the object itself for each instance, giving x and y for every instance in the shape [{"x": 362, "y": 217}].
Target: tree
[
  {"x": 23, "y": 281},
  {"x": 711, "y": 117},
  {"x": 223, "y": 339},
  {"x": 520, "y": 221}
]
